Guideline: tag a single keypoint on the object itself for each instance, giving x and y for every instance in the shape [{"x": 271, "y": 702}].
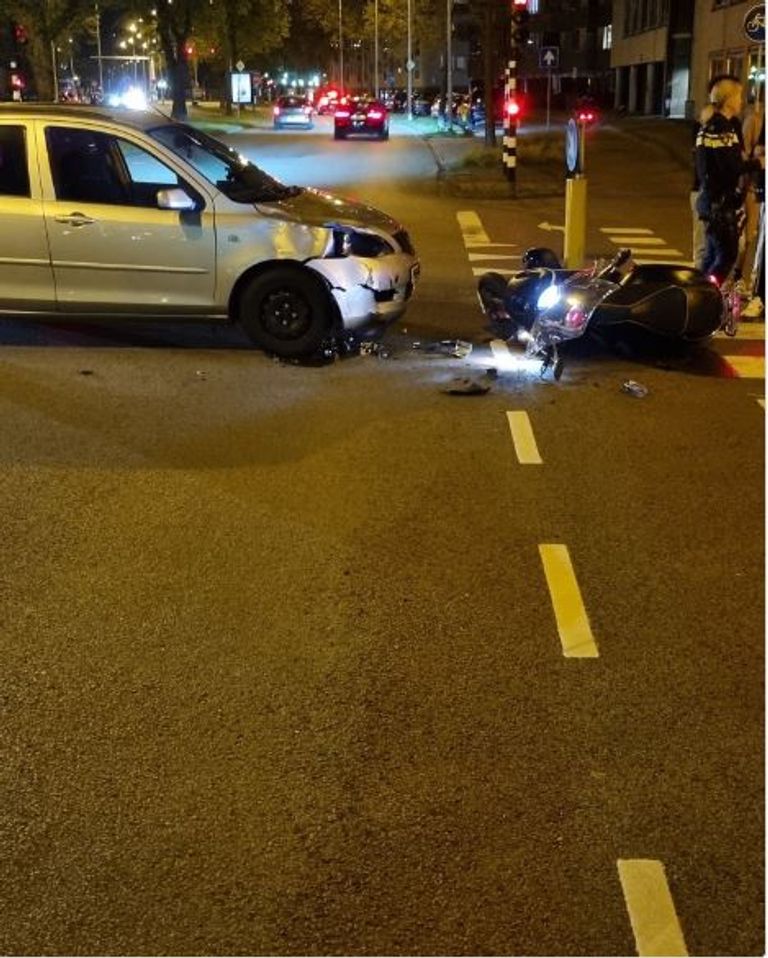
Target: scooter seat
[{"x": 672, "y": 274}]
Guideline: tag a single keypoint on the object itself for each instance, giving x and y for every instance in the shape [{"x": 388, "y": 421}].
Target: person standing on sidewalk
[
  {"x": 699, "y": 235},
  {"x": 720, "y": 166},
  {"x": 754, "y": 145}
]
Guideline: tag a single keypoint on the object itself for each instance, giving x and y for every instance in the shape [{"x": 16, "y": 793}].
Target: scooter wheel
[{"x": 557, "y": 370}]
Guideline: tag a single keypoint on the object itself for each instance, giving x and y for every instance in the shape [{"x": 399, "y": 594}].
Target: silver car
[{"x": 139, "y": 216}]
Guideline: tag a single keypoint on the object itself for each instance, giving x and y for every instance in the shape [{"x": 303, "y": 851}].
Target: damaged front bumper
[{"x": 368, "y": 291}]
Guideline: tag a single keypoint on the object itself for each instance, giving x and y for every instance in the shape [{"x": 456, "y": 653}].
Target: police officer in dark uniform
[{"x": 720, "y": 166}]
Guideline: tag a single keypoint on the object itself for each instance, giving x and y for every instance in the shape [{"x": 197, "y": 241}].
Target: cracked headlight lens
[{"x": 357, "y": 243}]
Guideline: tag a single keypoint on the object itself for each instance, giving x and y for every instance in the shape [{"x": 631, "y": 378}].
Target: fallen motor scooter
[{"x": 545, "y": 305}]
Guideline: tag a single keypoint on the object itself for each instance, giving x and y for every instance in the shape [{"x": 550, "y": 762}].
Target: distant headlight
[{"x": 357, "y": 243}]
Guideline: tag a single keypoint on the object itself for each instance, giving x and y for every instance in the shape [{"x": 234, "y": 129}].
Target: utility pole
[
  {"x": 449, "y": 64},
  {"x": 98, "y": 48},
  {"x": 518, "y": 37}
]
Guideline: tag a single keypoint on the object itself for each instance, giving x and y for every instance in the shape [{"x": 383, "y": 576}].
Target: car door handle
[{"x": 75, "y": 219}]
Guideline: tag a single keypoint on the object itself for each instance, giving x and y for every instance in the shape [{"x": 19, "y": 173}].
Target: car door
[
  {"x": 113, "y": 250},
  {"x": 26, "y": 276}
]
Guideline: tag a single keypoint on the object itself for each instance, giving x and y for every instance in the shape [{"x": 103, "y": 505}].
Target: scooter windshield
[{"x": 565, "y": 312}]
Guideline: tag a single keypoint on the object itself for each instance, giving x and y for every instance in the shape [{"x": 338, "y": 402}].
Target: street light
[
  {"x": 341, "y": 52},
  {"x": 409, "y": 65}
]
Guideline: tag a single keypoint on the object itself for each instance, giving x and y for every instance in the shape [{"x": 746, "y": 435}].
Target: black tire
[
  {"x": 286, "y": 311},
  {"x": 339, "y": 135}
]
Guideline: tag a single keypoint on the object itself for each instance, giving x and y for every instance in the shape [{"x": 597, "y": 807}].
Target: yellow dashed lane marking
[
  {"x": 523, "y": 438},
  {"x": 651, "y": 909},
  {"x": 572, "y": 622}
]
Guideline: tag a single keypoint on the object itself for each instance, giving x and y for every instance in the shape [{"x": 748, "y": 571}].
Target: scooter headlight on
[{"x": 549, "y": 297}]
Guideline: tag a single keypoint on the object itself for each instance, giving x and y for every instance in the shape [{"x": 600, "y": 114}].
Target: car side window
[
  {"x": 84, "y": 167},
  {"x": 100, "y": 168},
  {"x": 14, "y": 173}
]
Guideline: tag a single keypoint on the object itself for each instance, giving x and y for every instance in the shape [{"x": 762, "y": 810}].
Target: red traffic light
[
  {"x": 519, "y": 4},
  {"x": 513, "y": 108},
  {"x": 586, "y": 116}
]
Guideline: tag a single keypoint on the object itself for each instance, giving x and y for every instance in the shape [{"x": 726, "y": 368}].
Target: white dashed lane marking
[
  {"x": 651, "y": 909},
  {"x": 572, "y": 622},
  {"x": 480, "y": 248},
  {"x": 523, "y": 438}
]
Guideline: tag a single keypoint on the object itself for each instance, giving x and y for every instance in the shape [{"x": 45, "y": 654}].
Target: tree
[{"x": 46, "y": 22}]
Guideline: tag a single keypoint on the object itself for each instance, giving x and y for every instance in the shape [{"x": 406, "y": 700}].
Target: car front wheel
[{"x": 286, "y": 311}]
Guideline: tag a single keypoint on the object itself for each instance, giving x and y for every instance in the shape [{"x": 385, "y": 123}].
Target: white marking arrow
[{"x": 551, "y": 226}]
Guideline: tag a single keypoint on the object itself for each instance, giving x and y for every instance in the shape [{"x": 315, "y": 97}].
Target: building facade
[{"x": 665, "y": 52}]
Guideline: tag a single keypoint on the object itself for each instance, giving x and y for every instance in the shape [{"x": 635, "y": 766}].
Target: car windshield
[{"x": 236, "y": 177}]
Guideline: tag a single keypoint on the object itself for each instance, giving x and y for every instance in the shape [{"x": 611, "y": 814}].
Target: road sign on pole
[
  {"x": 549, "y": 58},
  {"x": 754, "y": 23}
]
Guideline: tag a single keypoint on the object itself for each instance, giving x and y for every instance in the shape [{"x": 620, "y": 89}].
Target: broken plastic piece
[
  {"x": 456, "y": 348},
  {"x": 634, "y": 389}
]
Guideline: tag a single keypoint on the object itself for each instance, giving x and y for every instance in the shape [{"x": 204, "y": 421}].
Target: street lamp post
[
  {"x": 449, "y": 64},
  {"x": 409, "y": 64},
  {"x": 376, "y": 48},
  {"x": 341, "y": 52}
]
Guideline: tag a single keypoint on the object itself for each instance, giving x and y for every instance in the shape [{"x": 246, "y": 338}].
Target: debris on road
[
  {"x": 368, "y": 348},
  {"x": 455, "y": 348},
  {"x": 201, "y": 374},
  {"x": 86, "y": 372},
  {"x": 471, "y": 385},
  {"x": 635, "y": 389}
]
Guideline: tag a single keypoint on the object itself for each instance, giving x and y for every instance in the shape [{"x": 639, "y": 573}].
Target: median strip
[
  {"x": 523, "y": 438},
  {"x": 572, "y": 622},
  {"x": 651, "y": 909}
]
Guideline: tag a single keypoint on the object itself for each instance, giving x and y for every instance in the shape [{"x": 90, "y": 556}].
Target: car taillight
[
  {"x": 375, "y": 114},
  {"x": 276, "y": 111},
  {"x": 342, "y": 114}
]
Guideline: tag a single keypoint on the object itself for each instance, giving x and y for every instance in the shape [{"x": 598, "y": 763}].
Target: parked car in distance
[
  {"x": 360, "y": 115},
  {"x": 138, "y": 216},
  {"x": 292, "y": 111}
]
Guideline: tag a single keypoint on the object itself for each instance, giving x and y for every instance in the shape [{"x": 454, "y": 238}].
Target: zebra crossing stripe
[
  {"x": 746, "y": 367},
  {"x": 472, "y": 229},
  {"x": 633, "y": 230},
  {"x": 639, "y": 240}
]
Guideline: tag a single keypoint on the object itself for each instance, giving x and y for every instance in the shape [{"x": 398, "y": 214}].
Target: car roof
[{"x": 138, "y": 119}]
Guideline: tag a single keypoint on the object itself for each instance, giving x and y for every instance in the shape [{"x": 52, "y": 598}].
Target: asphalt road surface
[{"x": 316, "y": 660}]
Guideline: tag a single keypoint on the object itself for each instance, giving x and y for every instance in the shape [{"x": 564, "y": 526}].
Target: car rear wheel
[
  {"x": 339, "y": 135},
  {"x": 286, "y": 311},
  {"x": 384, "y": 135}
]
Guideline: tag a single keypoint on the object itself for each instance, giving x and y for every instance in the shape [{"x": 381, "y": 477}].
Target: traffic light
[
  {"x": 20, "y": 34},
  {"x": 512, "y": 109},
  {"x": 520, "y": 18}
]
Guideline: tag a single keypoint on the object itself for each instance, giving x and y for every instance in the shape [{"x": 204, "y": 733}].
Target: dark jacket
[{"x": 720, "y": 165}]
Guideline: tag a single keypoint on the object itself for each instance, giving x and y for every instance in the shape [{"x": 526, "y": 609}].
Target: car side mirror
[{"x": 175, "y": 199}]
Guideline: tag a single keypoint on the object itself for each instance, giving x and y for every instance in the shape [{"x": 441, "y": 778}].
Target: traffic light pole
[{"x": 509, "y": 148}]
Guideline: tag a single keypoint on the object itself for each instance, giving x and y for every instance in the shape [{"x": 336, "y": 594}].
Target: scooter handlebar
[{"x": 617, "y": 262}]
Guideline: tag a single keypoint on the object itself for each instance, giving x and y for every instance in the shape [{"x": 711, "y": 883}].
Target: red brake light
[
  {"x": 375, "y": 114},
  {"x": 343, "y": 114}
]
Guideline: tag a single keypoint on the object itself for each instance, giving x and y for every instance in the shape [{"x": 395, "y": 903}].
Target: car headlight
[
  {"x": 347, "y": 242},
  {"x": 549, "y": 297}
]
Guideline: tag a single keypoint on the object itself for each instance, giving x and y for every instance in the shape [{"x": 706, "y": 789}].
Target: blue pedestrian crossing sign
[
  {"x": 754, "y": 23},
  {"x": 549, "y": 58}
]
